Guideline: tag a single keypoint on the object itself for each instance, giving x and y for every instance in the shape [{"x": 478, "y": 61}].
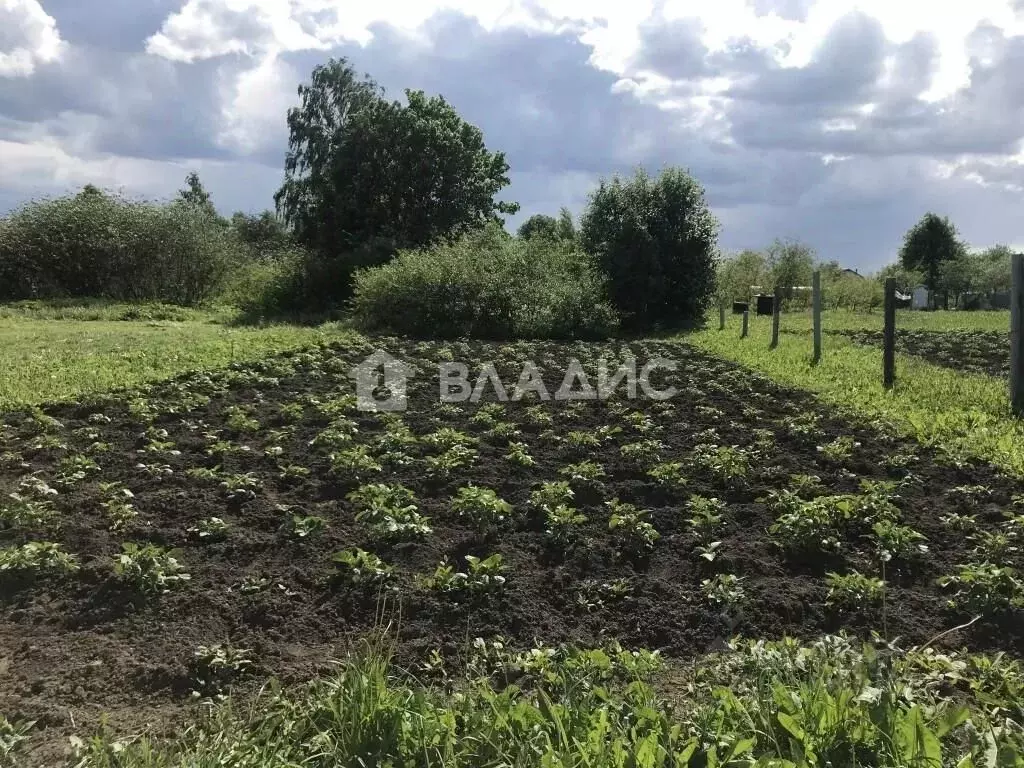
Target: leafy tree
[
  {"x": 262, "y": 234},
  {"x": 906, "y": 279},
  {"x": 993, "y": 269},
  {"x": 91, "y": 190},
  {"x": 539, "y": 225},
  {"x": 365, "y": 176},
  {"x": 739, "y": 273},
  {"x": 791, "y": 263},
  {"x": 562, "y": 228},
  {"x": 566, "y": 228},
  {"x": 195, "y": 194},
  {"x": 656, "y": 241},
  {"x": 927, "y": 245}
]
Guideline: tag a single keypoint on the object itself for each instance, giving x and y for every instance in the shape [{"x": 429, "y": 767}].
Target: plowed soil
[{"x": 73, "y": 647}]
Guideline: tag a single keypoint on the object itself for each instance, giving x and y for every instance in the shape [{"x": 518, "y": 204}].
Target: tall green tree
[
  {"x": 738, "y": 274},
  {"x": 368, "y": 175},
  {"x": 566, "y": 226},
  {"x": 539, "y": 225},
  {"x": 195, "y": 194},
  {"x": 655, "y": 238},
  {"x": 929, "y": 243},
  {"x": 993, "y": 268},
  {"x": 562, "y": 228},
  {"x": 791, "y": 263},
  {"x": 262, "y": 234}
]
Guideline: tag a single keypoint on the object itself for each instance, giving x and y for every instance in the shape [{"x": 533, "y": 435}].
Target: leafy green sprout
[
  {"x": 149, "y": 568},
  {"x": 37, "y": 557},
  {"x": 854, "y": 590},
  {"x": 357, "y": 566},
  {"x": 209, "y": 529},
  {"x": 518, "y": 454},
  {"x": 634, "y": 533},
  {"x": 482, "y": 506}
]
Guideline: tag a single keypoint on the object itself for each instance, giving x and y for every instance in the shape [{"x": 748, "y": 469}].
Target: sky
[{"x": 836, "y": 122}]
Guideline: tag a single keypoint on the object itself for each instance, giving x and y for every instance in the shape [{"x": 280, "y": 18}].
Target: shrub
[
  {"x": 99, "y": 245},
  {"x": 268, "y": 287},
  {"x": 486, "y": 285},
  {"x": 655, "y": 240}
]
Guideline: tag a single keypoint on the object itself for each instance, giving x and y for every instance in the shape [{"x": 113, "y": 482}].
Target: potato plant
[
  {"x": 36, "y": 557},
  {"x": 481, "y": 506},
  {"x": 854, "y": 591},
  {"x": 149, "y": 568},
  {"x": 634, "y": 534}
]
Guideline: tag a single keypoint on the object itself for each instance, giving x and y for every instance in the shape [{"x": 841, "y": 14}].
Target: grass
[
  {"x": 50, "y": 352},
  {"x": 834, "y": 702},
  {"x": 966, "y": 415},
  {"x": 911, "y": 320}
]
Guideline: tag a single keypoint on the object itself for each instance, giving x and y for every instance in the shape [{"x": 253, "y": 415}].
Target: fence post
[
  {"x": 776, "y": 315},
  {"x": 746, "y": 318},
  {"x": 1017, "y": 334},
  {"x": 816, "y": 313},
  {"x": 721, "y": 317},
  {"x": 889, "y": 339}
]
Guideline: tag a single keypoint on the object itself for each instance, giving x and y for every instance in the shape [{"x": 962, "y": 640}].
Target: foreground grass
[
  {"x": 775, "y": 704},
  {"x": 965, "y": 415},
  {"x": 46, "y": 360},
  {"x": 911, "y": 320}
]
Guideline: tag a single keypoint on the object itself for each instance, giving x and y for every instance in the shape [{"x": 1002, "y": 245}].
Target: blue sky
[{"x": 837, "y": 122}]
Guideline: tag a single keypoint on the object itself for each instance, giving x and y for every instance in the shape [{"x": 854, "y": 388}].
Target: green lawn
[
  {"x": 965, "y": 414},
  {"x": 911, "y": 320},
  {"x": 50, "y": 359}
]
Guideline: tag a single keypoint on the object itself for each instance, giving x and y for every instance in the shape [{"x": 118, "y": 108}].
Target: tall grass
[{"x": 834, "y": 702}]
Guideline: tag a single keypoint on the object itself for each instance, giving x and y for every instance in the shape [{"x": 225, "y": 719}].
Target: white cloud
[
  {"x": 28, "y": 36},
  {"x": 255, "y": 104}
]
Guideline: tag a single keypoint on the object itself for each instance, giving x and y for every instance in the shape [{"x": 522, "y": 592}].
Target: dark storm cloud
[
  {"x": 119, "y": 25},
  {"x": 985, "y": 117},
  {"x": 537, "y": 98},
  {"x": 146, "y": 106}
]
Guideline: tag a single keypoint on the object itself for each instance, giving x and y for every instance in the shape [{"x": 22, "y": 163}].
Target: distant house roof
[{"x": 853, "y": 272}]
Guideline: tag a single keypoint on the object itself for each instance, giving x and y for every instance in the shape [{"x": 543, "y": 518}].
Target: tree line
[
  {"x": 390, "y": 213},
  {"x": 932, "y": 254}
]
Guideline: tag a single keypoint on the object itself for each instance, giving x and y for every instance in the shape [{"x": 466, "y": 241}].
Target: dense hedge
[
  {"x": 98, "y": 245},
  {"x": 486, "y": 285}
]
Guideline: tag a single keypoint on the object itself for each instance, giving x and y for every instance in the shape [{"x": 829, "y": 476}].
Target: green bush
[
  {"x": 486, "y": 285},
  {"x": 268, "y": 287},
  {"x": 656, "y": 241},
  {"x": 99, "y": 245}
]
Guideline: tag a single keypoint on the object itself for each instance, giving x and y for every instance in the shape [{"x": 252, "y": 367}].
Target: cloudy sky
[{"x": 837, "y": 122}]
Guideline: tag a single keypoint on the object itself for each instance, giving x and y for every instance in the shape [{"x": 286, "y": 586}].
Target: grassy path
[{"x": 967, "y": 415}]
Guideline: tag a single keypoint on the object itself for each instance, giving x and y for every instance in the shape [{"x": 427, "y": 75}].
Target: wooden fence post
[
  {"x": 746, "y": 318},
  {"x": 776, "y": 316},
  {"x": 721, "y": 317},
  {"x": 1017, "y": 334},
  {"x": 889, "y": 338},
  {"x": 816, "y": 314}
]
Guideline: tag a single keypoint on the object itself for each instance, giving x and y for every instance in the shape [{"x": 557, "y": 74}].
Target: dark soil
[
  {"x": 74, "y": 647},
  {"x": 985, "y": 352}
]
